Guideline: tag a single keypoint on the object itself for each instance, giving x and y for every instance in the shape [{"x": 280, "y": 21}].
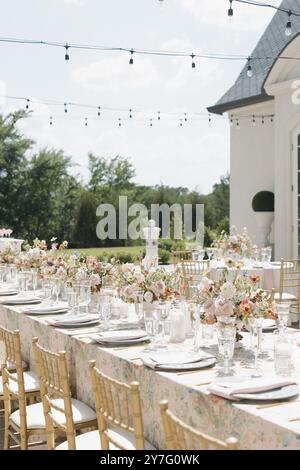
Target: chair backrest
[
  {"x": 290, "y": 281},
  {"x": 117, "y": 405},
  {"x": 195, "y": 268},
  {"x": 179, "y": 256},
  {"x": 180, "y": 436},
  {"x": 11, "y": 353},
  {"x": 55, "y": 392}
]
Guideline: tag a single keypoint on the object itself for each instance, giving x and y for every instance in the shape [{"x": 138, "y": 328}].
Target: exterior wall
[{"x": 252, "y": 165}]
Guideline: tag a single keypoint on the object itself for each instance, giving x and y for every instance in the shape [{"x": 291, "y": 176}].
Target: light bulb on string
[
  {"x": 158, "y": 115},
  {"x": 209, "y": 120},
  {"x": 161, "y": 3},
  {"x": 193, "y": 61},
  {"x": 238, "y": 124},
  {"x": 27, "y": 103},
  {"x": 230, "y": 12},
  {"x": 253, "y": 121},
  {"x": 131, "y": 58},
  {"x": 288, "y": 28},
  {"x": 99, "y": 111},
  {"x": 151, "y": 122},
  {"x": 263, "y": 120},
  {"x": 231, "y": 121},
  {"x": 120, "y": 122},
  {"x": 185, "y": 117},
  {"x": 130, "y": 114},
  {"x": 272, "y": 119},
  {"x": 249, "y": 68},
  {"x": 67, "y": 57},
  {"x": 86, "y": 122},
  {"x": 65, "y": 106},
  {"x": 51, "y": 120},
  {"x": 180, "y": 123}
]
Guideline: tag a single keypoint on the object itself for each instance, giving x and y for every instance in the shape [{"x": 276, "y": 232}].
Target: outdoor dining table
[{"x": 256, "y": 427}]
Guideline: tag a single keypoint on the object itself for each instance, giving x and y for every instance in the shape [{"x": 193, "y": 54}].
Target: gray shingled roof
[{"x": 247, "y": 90}]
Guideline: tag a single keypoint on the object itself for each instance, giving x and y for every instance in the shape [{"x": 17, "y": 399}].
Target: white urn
[{"x": 264, "y": 222}]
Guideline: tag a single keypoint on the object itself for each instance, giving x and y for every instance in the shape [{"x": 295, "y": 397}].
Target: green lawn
[{"x": 133, "y": 250}]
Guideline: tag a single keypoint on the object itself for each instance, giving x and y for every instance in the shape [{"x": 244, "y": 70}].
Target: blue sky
[{"x": 193, "y": 156}]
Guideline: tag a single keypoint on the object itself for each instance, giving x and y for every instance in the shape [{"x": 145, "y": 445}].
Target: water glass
[
  {"x": 72, "y": 299},
  {"x": 283, "y": 312},
  {"x": 152, "y": 328},
  {"x": 226, "y": 341},
  {"x": 283, "y": 352}
]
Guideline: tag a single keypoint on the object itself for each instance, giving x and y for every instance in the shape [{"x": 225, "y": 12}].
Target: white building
[{"x": 267, "y": 156}]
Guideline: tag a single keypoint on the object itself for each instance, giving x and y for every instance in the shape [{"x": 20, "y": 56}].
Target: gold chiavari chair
[
  {"x": 179, "y": 256},
  {"x": 289, "y": 287},
  {"x": 191, "y": 274},
  {"x": 180, "y": 436},
  {"x": 119, "y": 416},
  {"x": 19, "y": 386},
  {"x": 61, "y": 413}
]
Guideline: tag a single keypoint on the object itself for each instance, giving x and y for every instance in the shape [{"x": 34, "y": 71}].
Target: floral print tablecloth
[{"x": 255, "y": 428}]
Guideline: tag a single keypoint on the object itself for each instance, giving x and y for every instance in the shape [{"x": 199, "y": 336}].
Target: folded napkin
[
  {"x": 229, "y": 389},
  {"x": 268, "y": 324},
  {"x": 121, "y": 335},
  {"x": 173, "y": 358},
  {"x": 46, "y": 309}
]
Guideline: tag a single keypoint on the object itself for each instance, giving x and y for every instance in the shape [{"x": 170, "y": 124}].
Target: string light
[
  {"x": 288, "y": 28},
  {"x": 253, "y": 121},
  {"x": 27, "y": 103},
  {"x": 249, "y": 68},
  {"x": 151, "y": 122},
  {"x": 231, "y": 121},
  {"x": 120, "y": 122},
  {"x": 65, "y": 106},
  {"x": 209, "y": 120},
  {"x": 51, "y": 120},
  {"x": 130, "y": 114},
  {"x": 193, "y": 61},
  {"x": 86, "y": 122},
  {"x": 131, "y": 58},
  {"x": 67, "y": 57},
  {"x": 158, "y": 115},
  {"x": 180, "y": 123},
  {"x": 99, "y": 111},
  {"x": 272, "y": 119},
  {"x": 263, "y": 120},
  {"x": 238, "y": 124},
  {"x": 185, "y": 117},
  {"x": 230, "y": 11}
]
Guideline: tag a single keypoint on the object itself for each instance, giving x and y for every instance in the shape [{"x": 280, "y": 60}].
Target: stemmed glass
[
  {"x": 105, "y": 310},
  {"x": 256, "y": 342},
  {"x": 34, "y": 273},
  {"x": 56, "y": 287},
  {"x": 226, "y": 341},
  {"x": 152, "y": 328},
  {"x": 195, "y": 316},
  {"x": 139, "y": 306}
]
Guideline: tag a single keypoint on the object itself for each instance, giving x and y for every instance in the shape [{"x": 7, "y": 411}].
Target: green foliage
[
  {"x": 264, "y": 201},
  {"x": 41, "y": 197},
  {"x": 164, "y": 256},
  {"x": 223, "y": 225}
]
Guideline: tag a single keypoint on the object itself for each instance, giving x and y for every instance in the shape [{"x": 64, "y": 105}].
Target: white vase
[{"x": 264, "y": 222}]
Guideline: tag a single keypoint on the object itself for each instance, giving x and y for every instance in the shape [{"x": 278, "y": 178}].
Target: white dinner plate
[{"x": 75, "y": 325}]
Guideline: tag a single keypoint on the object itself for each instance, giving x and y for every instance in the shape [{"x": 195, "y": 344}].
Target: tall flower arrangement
[{"x": 238, "y": 243}]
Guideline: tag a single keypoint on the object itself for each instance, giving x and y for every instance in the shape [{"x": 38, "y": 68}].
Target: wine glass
[
  {"x": 151, "y": 326},
  {"x": 283, "y": 311},
  {"x": 34, "y": 273},
  {"x": 226, "y": 341}
]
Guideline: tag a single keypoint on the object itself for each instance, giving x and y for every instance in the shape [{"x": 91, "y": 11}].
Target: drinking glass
[
  {"x": 13, "y": 275},
  {"x": 226, "y": 341},
  {"x": 139, "y": 305},
  {"x": 85, "y": 296},
  {"x": 152, "y": 328},
  {"x": 283, "y": 312},
  {"x": 22, "y": 282},
  {"x": 56, "y": 287},
  {"x": 72, "y": 298},
  {"x": 2, "y": 273},
  {"x": 34, "y": 273},
  {"x": 195, "y": 317},
  {"x": 105, "y": 310},
  {"x": 256, "y": 342}
]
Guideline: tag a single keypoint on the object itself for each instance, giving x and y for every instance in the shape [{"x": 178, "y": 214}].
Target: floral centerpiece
[
  {"x": 240, "y": 298},
  {"x": 236, "y": 243},
  {"x": 155, "y": 284}
]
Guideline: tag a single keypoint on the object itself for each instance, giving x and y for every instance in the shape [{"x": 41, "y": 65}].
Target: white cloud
[
  {"x": 185, "y": 78},
  {"x": 115, "y": 74},
  {"x": 214, "y": 12}
]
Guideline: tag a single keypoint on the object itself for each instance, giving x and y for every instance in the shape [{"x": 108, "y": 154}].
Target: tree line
[{"x": 41, "y": 197}]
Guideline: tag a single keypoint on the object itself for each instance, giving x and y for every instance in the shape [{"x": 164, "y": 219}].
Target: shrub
[{"x": 263, "y": 202}]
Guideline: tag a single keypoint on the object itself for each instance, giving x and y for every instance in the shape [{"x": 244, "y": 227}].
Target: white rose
[
  {"x": 95, "y": 280},
  {"x": 228, "y": 291},
  {"x": 148, "y": 297}
]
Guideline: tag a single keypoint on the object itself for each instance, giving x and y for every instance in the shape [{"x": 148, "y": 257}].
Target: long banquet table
[{"x": 256, "y": 428}]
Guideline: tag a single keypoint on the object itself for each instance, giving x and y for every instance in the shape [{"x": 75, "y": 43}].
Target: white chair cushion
[
  {"x": 35, "y": 414},
  {"x": 91, "y": 441},
  {"x": 12, "y": 366},
  {"x": 285, "y": 296},
  {"x": 30, "y": 382}
]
